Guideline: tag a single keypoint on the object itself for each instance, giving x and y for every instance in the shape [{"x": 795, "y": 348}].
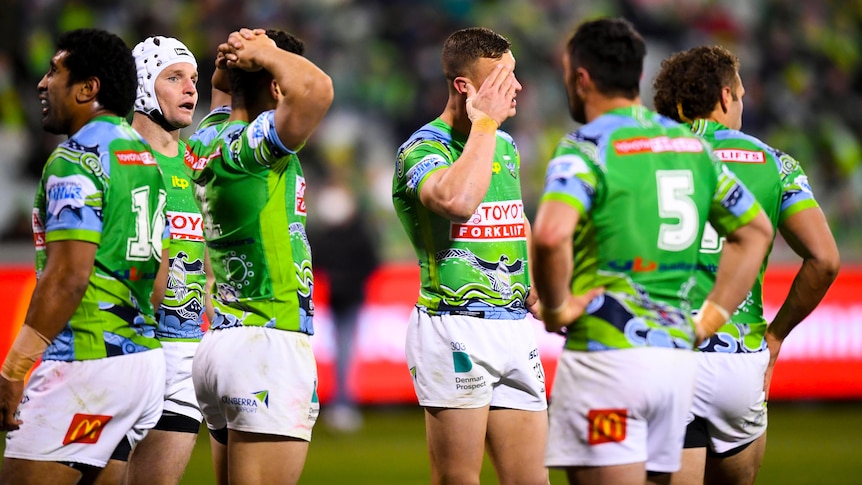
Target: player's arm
[
  {"x": 532, "y": 299},
  {"x": 808, "y": 234},
  {"x": 305, "y": 90},
  {"x": 160, "y": 285},
  {"x": 210, "y": 285},
  {"x": 55, "y": 298},
  {"x": 220, "y": 81},
  {"x": 552, "y": 260},
  {"x": 456, "y": 191}
]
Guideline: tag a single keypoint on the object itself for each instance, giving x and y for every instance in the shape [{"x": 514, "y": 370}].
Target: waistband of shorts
[{"x": 488, "y": 313}]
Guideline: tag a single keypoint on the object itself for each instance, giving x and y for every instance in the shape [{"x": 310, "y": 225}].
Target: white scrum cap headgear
[{"x": 152, "y": 56}]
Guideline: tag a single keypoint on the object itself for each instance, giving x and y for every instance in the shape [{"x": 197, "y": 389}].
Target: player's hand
[
  {"x": 532, "y": 304},
  {"x": 557, "y": 319},
  {"x": 494, "y": 97},
  {"x": 10, "y": 398},
  {"x": 774, "y": 346},
  {"x": 246, "y": 49}
]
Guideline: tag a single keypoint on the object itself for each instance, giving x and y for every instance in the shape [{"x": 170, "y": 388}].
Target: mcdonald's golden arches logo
[
  {"x": 86, "y": 428},
  {"x": 607, "y": 426}
]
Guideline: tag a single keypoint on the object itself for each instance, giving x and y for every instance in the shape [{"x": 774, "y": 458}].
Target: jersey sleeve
[
  {"x": 74, "y": 197},
  {"x": 796, "y": 193},
  {"x": 571, "y": 179},
  {"x": 733, "y": 205},
  {"x": 258, "y": 147},
  {"x": 419, "y": 160}
]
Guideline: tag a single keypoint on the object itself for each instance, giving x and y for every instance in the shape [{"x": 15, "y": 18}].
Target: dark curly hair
[
  {"x": 466, "y": 46},
  {"x": 249, "y": 85},
  {"x": 103, "y": 55},
  {"x": 690, "y": 82},
  {"x": 612, "y": 51}
]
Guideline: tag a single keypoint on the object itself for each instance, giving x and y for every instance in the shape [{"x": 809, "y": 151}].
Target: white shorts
[
  {"x": 258, "y": 380},
  {"x": 467, "y": 362},
  {"x": 179, "y": 389},
  {"x": 729, "y": 396},
  {"x": 618, "y": 407},
  {"x": 80, "y": 411}
]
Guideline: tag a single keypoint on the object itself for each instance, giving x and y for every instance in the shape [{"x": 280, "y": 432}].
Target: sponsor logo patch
[
  {"x": 186, "y": 225},
  {"x": 660, "y": 144},
  {"x": 68, "y": 192},
  {"x": 607, "y": 426},
  {"x": 492, "y": 221},
  {"x": 131, "y": 157},
  {"x": 195, "y": 162},
  {"x": 300, "y": 196},
  {"x": 86, "y": 428},
  {"x": 38, "y": 230},
  {"x": 740, "y": 156}
]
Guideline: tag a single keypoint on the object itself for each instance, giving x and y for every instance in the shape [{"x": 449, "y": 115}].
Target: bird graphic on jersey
[{"x": 497, "y": 272}]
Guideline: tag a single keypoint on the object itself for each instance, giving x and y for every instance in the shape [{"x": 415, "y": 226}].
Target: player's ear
[
  {"x": 88, "y": 89},
  {"x": 275, "y": 90},
  {"x": 460, "y": 84},
  {"x": 726, "y": 97},
  {"x": 582, "y": 81}
]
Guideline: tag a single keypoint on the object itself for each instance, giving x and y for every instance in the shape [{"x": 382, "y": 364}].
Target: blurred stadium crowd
[{"x": 801, "y": 68}]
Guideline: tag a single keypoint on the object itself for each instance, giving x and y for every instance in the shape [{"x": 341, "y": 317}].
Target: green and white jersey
[
  {"x": 103, "y": 186},
  {"x": 478, "y": 267},
  {"x": 251, "y": 192},
  {"x": 781, "y": 187},
  {"x": 181, "y": 314},
  {"x": 644, "y": 187}
]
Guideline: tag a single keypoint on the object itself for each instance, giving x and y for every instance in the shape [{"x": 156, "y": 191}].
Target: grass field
[{"x": 809, "y": 443}]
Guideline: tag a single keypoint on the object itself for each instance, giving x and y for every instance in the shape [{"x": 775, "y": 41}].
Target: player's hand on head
[
  {"x": 494, "y": 97},
  {"x": 246, "y": 48}
]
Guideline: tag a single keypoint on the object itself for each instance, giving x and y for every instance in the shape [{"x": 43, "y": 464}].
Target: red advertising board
[{"x": 821, "y": 359}]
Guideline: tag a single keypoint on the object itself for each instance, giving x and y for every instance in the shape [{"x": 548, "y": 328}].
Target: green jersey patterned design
[
  {"x": 781, "y": 187},
  {"x": 251, "y": 192},
  {"x": 103, "y": 186},
  {"x": 477, "y": 267},
  {"x": 181, "y": 314},
  {"x": 643, "y": 186}
]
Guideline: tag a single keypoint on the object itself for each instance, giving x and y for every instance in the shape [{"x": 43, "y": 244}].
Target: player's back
[
  {"x": 103, "y": 186},
  {"x": 781, "y": 187},
  {"x": 657, "y": 184},
  {"x": 644, "y": 187}
]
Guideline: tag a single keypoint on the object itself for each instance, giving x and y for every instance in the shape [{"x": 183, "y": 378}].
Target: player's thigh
[
  {"x": 516, "y": 444},
  {"x": 261, "y": 459},
  {"x": 456, "y": 440},
  {"x": 630, "y": 474},
  {"x": 161, "y": 457},
  {"x": 737, "y": 469},
  {"x": 692, "y": 466},
  {"x": 218, "y": 451},
  {"x": 29, "y": 472}
]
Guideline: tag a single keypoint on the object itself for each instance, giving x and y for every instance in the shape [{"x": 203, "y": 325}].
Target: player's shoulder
[{"x": 738, "y": 146}]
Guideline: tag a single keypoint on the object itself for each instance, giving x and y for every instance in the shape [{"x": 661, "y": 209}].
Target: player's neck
[
  {"x": 455, "y": 115},
  {"x": 600, "y": 105},
  {"x": 160, "y": 140}
]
